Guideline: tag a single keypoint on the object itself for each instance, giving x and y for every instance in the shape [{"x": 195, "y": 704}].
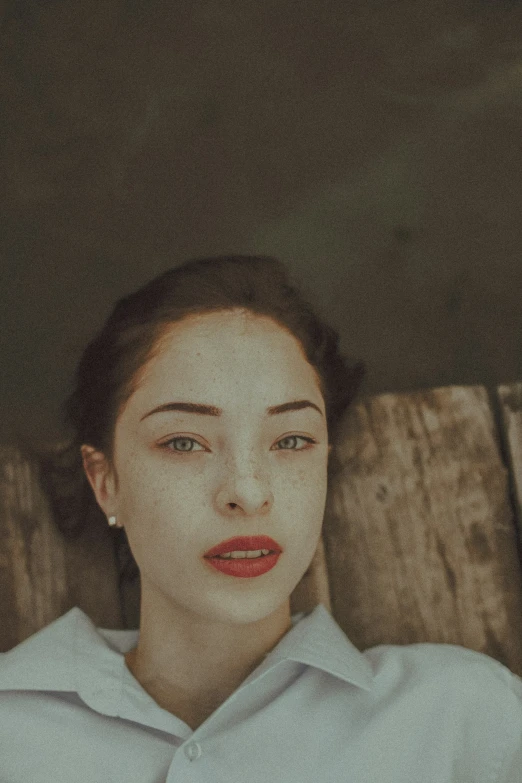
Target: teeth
[{"x": 242, "y": 555}]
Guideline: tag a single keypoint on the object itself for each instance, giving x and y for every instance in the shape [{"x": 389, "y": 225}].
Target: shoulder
[
  {"x": 444, "y": 665},
  {"x": 476, "y": 695},
  {"x": 468, "y": 704}
]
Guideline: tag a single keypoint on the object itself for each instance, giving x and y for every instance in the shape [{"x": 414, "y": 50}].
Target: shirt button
[{"x": 193, "y": 751}]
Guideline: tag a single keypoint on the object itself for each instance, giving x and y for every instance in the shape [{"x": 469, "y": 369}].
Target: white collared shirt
[{"x": 316, "y": 709}]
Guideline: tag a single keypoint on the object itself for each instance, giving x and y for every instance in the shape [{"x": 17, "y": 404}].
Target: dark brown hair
[{"x": 113, "y": 361}]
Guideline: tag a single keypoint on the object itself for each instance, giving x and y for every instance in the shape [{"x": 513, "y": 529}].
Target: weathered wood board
[
  {"x": 420, "y": 538},
  {"x": 42, "y": 574},
  {"x": 510, "y": 403}
]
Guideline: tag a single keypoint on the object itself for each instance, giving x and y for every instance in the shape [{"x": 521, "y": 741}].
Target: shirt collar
[
  {"x": 317, "y": 640},
  {"x": 72, "y": 654}
]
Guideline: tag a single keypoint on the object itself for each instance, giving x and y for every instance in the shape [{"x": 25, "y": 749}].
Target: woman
[{"x": 205, "y": 415}]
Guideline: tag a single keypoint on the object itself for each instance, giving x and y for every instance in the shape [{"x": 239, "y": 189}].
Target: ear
[{"x": 100, "y": 478}]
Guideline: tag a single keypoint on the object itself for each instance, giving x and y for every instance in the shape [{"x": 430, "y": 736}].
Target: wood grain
[
  {"x": 43, "y": 574},
  {"x": 419, "y": 532},
  {"x": 510, "y": 402}
]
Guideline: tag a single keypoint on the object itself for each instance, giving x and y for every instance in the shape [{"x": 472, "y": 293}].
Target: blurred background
[{"x": 373, "y": 145}]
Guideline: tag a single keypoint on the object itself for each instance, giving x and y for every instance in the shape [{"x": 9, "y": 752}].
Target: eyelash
[{"x": 165, "y": 445}]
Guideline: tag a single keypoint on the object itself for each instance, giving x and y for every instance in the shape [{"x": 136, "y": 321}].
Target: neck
[{"x": 191, "y": 667}]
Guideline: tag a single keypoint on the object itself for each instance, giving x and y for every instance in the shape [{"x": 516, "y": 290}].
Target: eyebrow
[{"x": 211, "y": 410}]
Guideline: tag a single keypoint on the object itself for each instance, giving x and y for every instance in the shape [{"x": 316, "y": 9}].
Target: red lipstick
[
  {"x": 244, "y": 567},
  {"x": 244, "y": 544}
]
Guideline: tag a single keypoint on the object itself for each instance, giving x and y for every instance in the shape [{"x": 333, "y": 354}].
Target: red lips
[{"x": 244, "y": 543}]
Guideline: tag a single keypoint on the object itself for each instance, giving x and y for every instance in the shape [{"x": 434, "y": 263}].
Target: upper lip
[{"x": 244, "y": 543}]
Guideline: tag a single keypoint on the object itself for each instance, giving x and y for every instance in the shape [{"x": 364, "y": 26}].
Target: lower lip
[{"x": 244, "y": 567}]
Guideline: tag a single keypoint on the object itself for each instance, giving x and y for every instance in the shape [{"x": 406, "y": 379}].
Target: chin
[{"x": 244, "y": 610}]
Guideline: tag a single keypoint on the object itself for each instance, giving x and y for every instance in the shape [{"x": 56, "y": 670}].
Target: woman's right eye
[{"x": 184, "y": 441}]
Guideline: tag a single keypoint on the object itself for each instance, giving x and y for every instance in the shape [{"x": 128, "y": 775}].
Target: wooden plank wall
[
  {"x": 420, "y": 534},
  {"x": 42, "y": 574},
  {"x": 420, "y": 539},
  {"x": 510, "y": 403}
]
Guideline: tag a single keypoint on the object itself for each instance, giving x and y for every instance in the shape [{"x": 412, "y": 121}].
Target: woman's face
[{"x": 188, "y": 481}]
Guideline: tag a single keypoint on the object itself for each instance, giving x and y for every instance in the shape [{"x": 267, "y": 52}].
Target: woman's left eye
[
  {"x": 294, "y": 438},
  {"x": 183, "y": 439}
]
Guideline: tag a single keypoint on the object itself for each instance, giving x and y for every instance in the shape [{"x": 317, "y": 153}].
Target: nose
[{"x": 248, "y": 494}]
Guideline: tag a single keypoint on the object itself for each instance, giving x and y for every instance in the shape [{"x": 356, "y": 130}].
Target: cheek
[
  {"x": 143, "y": 491},
  {"x": 304, "y": 483},
  {"x": 156, "y": 497},
  {"x": 300, "y": 497},
  {"x": 311, "y": 482}
]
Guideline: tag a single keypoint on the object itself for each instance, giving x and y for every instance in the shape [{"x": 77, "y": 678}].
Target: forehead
[{"x": 215, "y": 355}]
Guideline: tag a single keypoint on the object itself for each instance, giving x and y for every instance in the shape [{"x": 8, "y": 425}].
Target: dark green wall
[{"x": 375, "y": 146}]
